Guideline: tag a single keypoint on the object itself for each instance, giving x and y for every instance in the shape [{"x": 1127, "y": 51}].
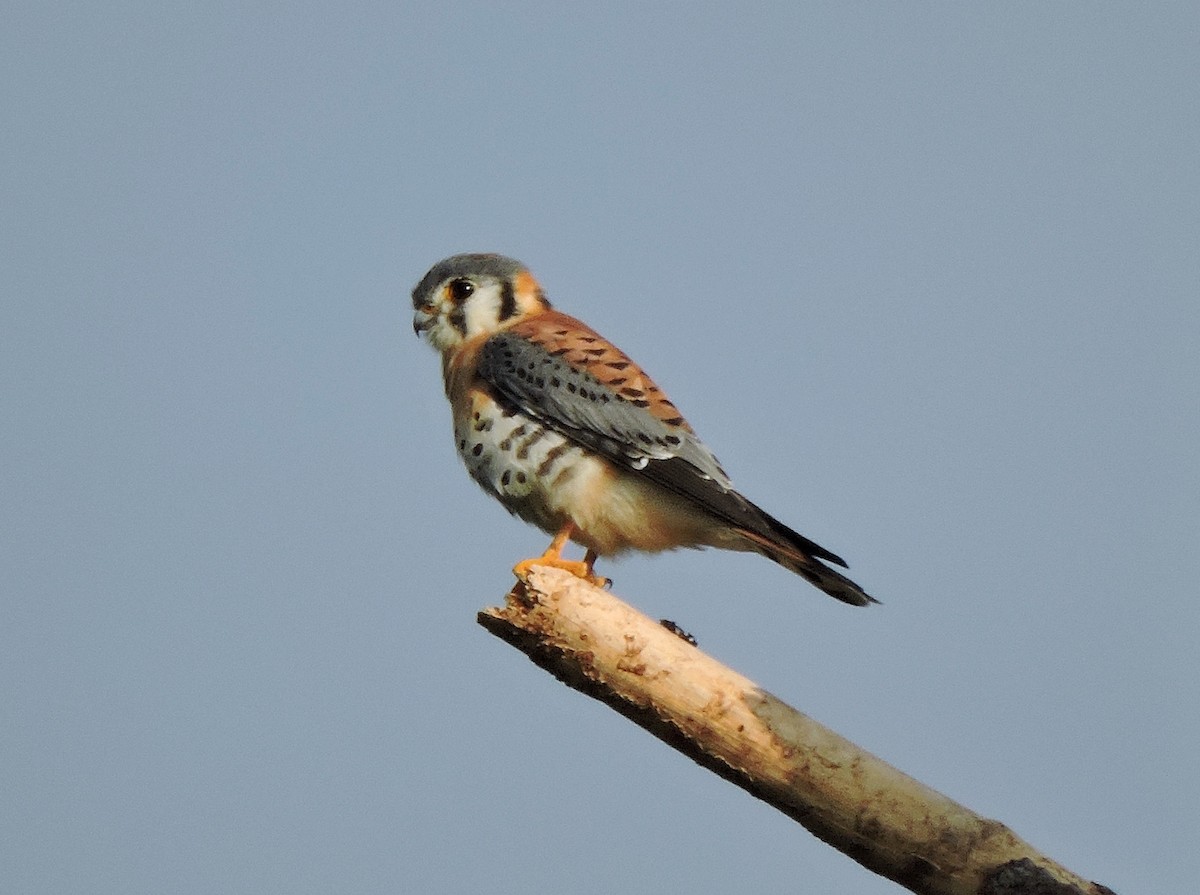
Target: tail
[{"x": 794, "y": 552}]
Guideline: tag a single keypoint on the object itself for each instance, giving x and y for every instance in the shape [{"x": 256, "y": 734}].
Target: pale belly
[{"x": 548, "y": 480}]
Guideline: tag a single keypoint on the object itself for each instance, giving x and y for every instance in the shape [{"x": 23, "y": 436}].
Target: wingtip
[
  {"x": 842, "y": 588},
  {"x": 833, "y": 558}
]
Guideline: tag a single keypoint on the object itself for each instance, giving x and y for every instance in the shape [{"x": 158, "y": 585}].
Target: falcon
[{"x": 570, "y": 434}]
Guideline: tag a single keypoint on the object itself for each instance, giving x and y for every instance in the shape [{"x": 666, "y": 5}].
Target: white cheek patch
[
  {"x": 455, "y": 324},
  {"x": 481, "y": 311},
  {"x": 442, "y": 335}
]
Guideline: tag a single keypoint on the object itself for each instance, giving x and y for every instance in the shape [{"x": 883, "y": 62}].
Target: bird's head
[{"x": 466, "y": 296}]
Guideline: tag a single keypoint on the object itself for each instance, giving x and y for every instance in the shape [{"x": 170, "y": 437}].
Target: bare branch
[{"x": 880, "y": 817}]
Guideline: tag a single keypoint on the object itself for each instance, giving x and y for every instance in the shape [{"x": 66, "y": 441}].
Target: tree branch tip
[{"x": 652, "y": 674}]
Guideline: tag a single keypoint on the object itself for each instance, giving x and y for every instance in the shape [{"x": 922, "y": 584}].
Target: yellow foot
[{"x": 578, "y": 568}]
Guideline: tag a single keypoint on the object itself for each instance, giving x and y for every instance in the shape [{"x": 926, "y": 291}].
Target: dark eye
[{"x": 460, "y": 290}]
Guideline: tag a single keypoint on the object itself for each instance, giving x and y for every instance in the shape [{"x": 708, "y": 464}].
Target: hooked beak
[{"x": 422, "y": 321}]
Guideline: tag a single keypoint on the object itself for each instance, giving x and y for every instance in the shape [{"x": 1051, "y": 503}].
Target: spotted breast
[{"x": 515, "y": 458}]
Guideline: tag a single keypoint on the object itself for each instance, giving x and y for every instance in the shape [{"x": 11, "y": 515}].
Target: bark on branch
[{"x": 883, "y": 819}]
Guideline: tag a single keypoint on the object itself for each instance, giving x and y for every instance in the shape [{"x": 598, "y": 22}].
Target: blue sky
[{"x": 925, "y": 277}]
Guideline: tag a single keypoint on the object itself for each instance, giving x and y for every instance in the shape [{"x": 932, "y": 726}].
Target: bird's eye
[{"x": 460, "y": 290}]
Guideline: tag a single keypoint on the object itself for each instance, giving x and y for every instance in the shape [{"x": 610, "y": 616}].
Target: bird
[{"x": 572, "y": 436}]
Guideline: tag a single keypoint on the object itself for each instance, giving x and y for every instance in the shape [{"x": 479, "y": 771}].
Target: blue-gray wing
[
  {"x": 561, "y": 373},
  {"x": 574, "y": 401}
]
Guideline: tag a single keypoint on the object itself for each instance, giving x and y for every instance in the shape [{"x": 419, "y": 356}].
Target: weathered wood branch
[{"x": 883, "y": 819}]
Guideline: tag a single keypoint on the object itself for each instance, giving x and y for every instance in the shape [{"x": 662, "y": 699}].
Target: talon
[
  {"x": 554, "y": 559},
  {"x": 578, "y": 568},
  {"x": 575, "y": 567}
]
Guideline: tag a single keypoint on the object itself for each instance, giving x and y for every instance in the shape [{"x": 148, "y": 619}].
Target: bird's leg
[
  {"x": 553, "y": 557},
  {"x": 589, "y": 560}
]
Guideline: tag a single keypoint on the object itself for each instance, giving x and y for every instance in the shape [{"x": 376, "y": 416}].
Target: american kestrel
[{"x": 567, "y": 432}]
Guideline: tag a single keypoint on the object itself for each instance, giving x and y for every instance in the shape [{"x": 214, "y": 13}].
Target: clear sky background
[{"x": 925, "y": 277}]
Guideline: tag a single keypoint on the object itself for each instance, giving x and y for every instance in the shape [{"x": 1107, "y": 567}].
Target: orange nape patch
[{"x": 529, "y": 294}]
